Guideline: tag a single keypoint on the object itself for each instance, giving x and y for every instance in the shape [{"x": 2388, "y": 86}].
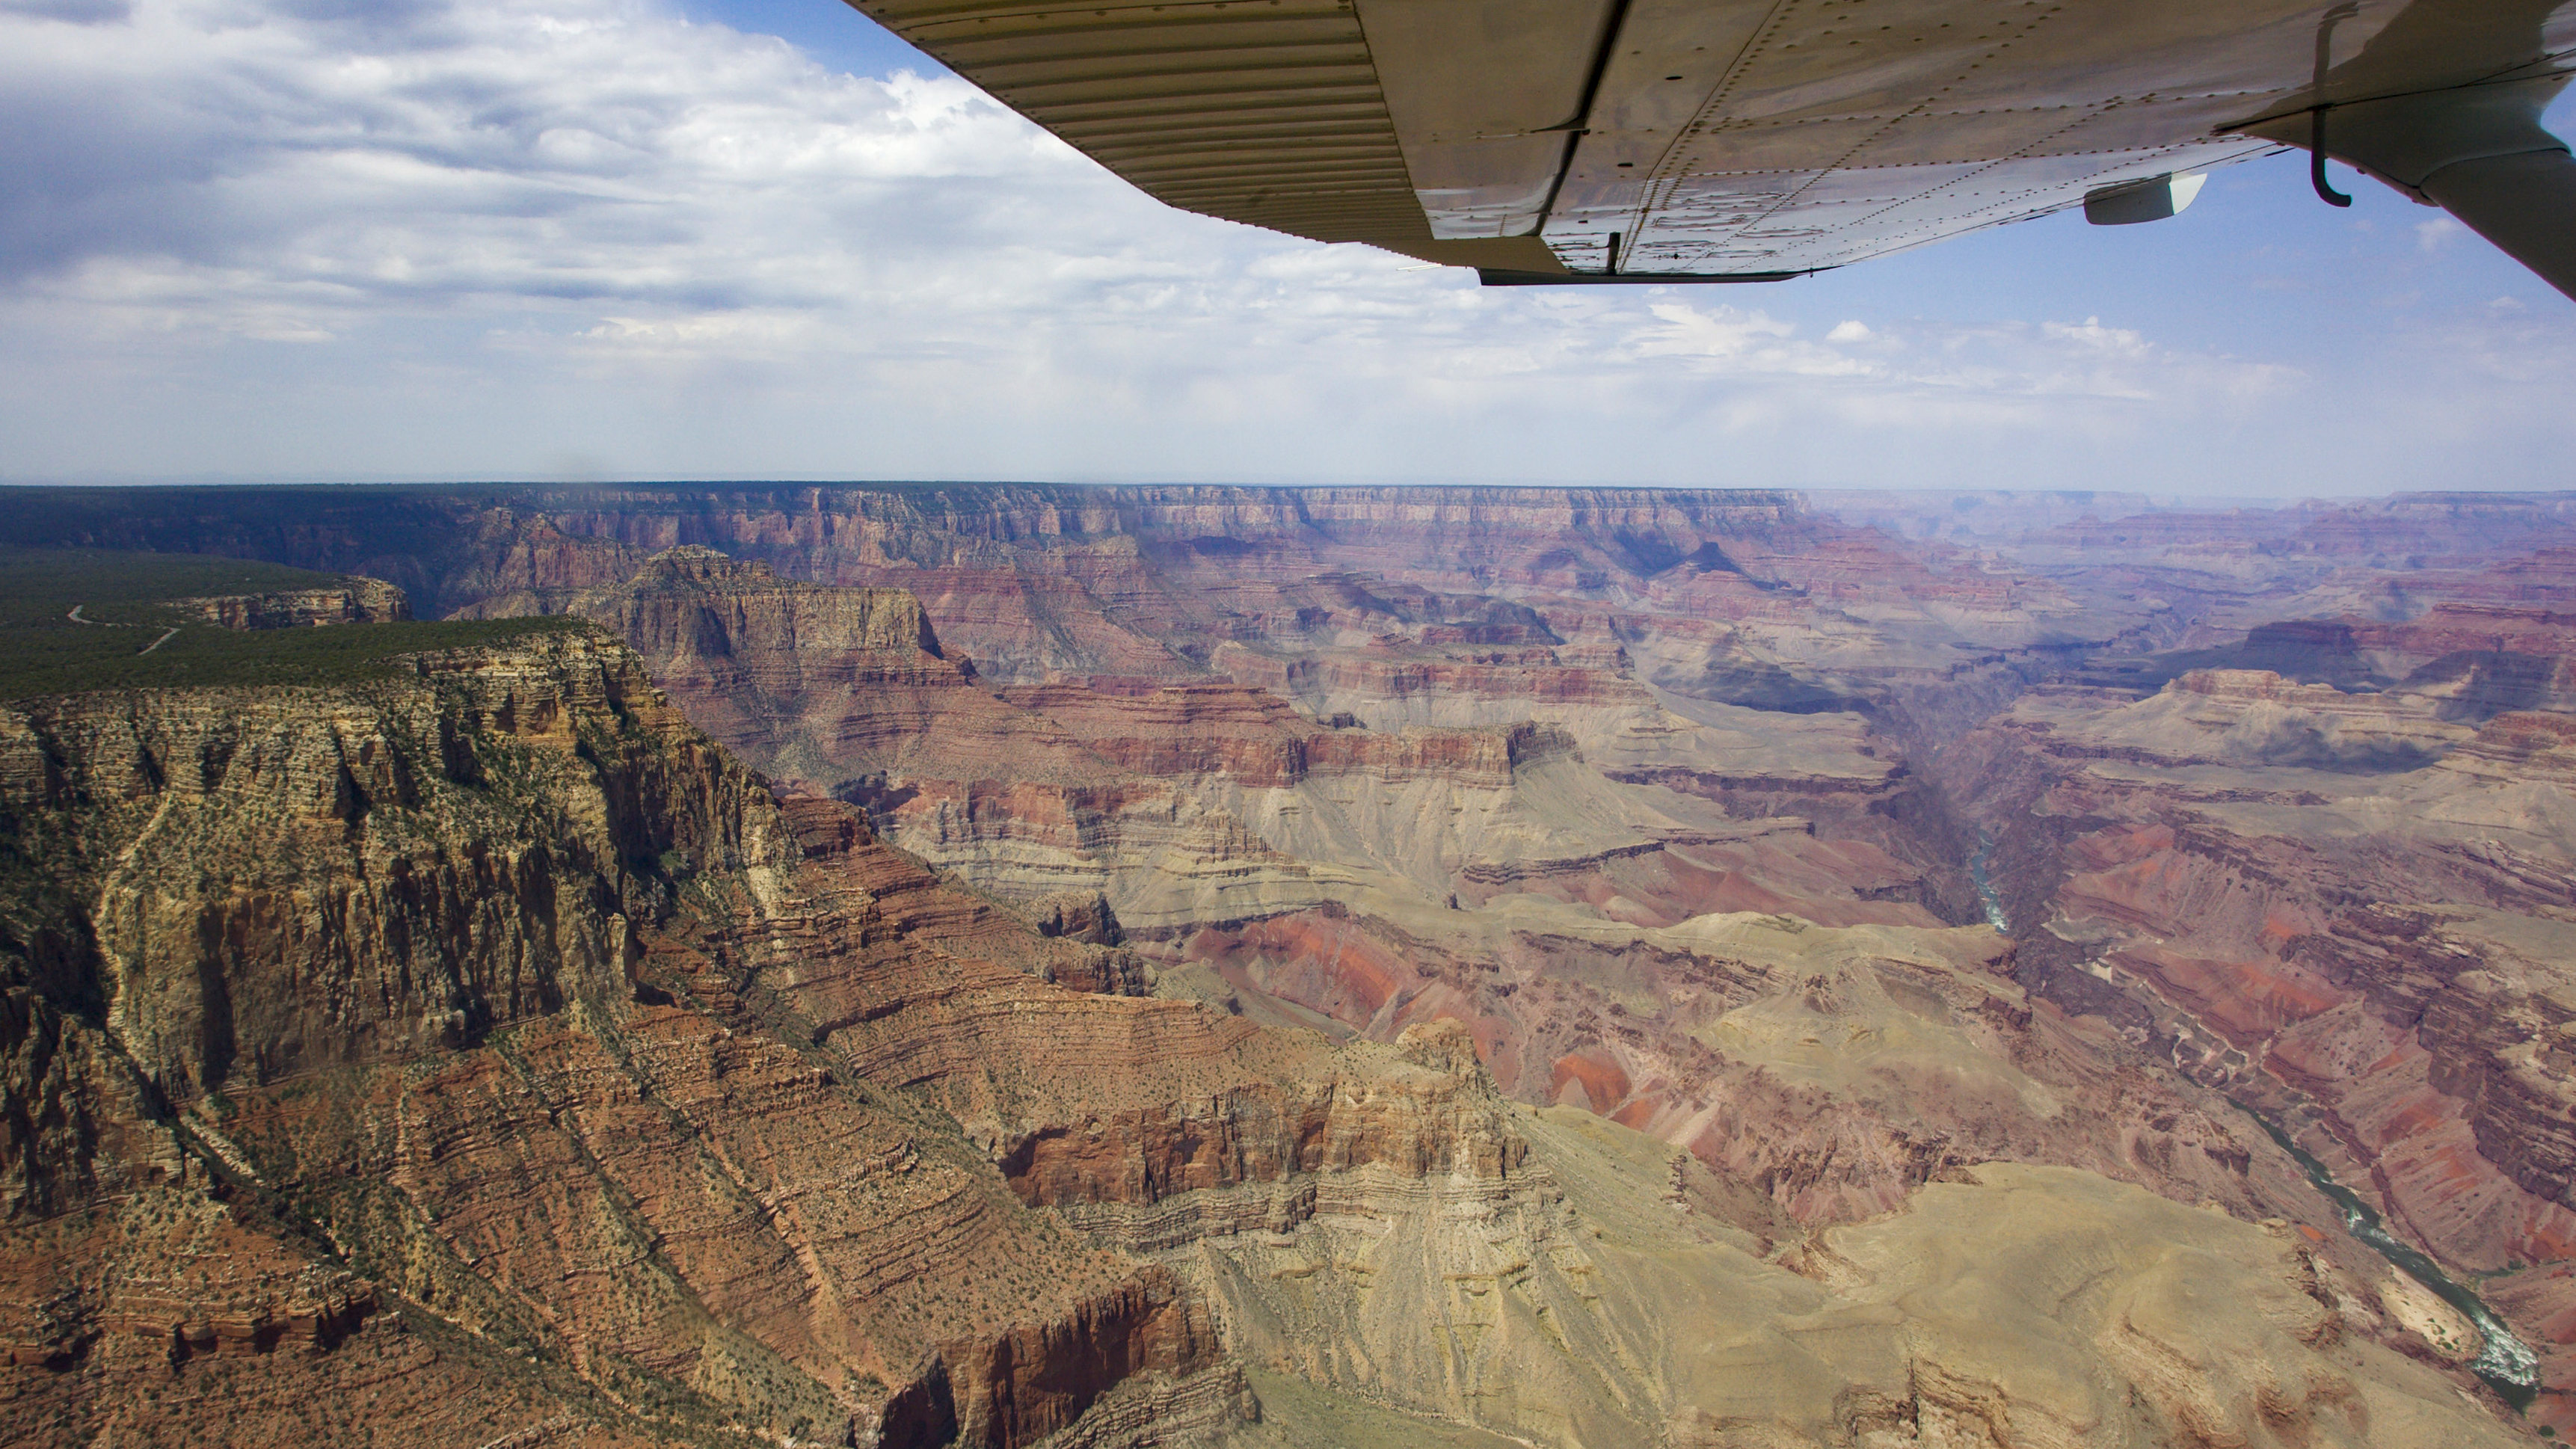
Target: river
[
  {"x": 1993, "y": 903},
  {"x": 2506, "y": 1363}
]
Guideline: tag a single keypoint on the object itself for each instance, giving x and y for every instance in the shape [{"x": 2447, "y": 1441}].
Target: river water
[
  {"x": 1986, "y": 896},
  {"x": 2506, "y": 1363}
]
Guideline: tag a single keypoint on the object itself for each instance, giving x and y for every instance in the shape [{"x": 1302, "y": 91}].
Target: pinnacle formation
[{"x": 1015, "y": 966}]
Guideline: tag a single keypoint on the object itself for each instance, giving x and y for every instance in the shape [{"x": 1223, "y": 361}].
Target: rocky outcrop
[
  {"x": 1158, "y": 792},
  {"x": 357, "y": 601},
  {"x": 1427, "y": 1109},
  {"x": 821, "y": 686},
  {"x": 2521, "y": 748},
  {"x": 374, "y": 968},
  {"x": 1257, "y": 741},
  {"x": 345, "y": 935}
]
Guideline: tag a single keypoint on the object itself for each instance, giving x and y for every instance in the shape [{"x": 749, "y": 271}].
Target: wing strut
[
  {"x": 2317, "y": 160},
  {"x": 2317, "y": 118},
  {"x": 2477, "y": 151}
]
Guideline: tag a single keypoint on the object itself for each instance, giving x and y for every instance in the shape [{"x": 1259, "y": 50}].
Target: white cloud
[
  {"x": 483, "y": 238},
  {"x": 1723, "y": 340},
  {"x": 2093, "y": 337}
]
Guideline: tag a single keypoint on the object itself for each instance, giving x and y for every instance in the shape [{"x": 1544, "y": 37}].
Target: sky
[{"x": 564, "y": 240}]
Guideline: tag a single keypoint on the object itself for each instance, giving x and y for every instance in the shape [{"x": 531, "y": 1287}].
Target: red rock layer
[
  {"x": 1252, "y": 736},
  {"x": 1084, "y": 1099},
  {"x": 1198, "y": 729},
  {"x": 1544, "y": 1024},
  {"x": 1783, "y": 870},
  {"x": 416, "y": 971},
  {"x": 2370, "y": 980},
  {"x": 819, "y": 686},
  {"x": 1374, "y": 675}
]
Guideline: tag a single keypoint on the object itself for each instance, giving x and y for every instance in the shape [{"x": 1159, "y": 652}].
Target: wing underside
[{"x": 1687, "y": 139}]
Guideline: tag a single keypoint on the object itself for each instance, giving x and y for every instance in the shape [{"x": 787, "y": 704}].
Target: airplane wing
[{"x": 1626, "y": 141}]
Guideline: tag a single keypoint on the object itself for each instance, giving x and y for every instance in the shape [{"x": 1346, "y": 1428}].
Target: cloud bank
[{"x": 326, "y": 238}]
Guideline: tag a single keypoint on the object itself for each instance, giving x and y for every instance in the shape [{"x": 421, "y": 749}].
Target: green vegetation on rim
[{"x": 44, "y": 650}]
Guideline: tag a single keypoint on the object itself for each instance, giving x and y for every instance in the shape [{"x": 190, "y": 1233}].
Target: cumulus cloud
[
  {"x": 1723, "y": 340},
  {"x": 470, "y": 238}
]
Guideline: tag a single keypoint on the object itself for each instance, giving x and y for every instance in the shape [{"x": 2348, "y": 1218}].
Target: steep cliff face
[
  {"x": 694, "y": 602},
  {"x": 423, "y": 860},
  {"x": 818, "y": 686},
  {"x": 336, "y": 1059}
]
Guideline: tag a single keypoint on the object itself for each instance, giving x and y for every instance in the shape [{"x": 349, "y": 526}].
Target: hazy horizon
[{"x": 2149, "y": 499}]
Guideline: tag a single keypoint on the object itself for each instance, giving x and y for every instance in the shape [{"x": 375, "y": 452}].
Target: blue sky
[{"x": 272, "y": 239}]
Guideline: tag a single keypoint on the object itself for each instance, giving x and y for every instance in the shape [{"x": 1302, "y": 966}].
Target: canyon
[{"x": 1094, "y": 966}]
